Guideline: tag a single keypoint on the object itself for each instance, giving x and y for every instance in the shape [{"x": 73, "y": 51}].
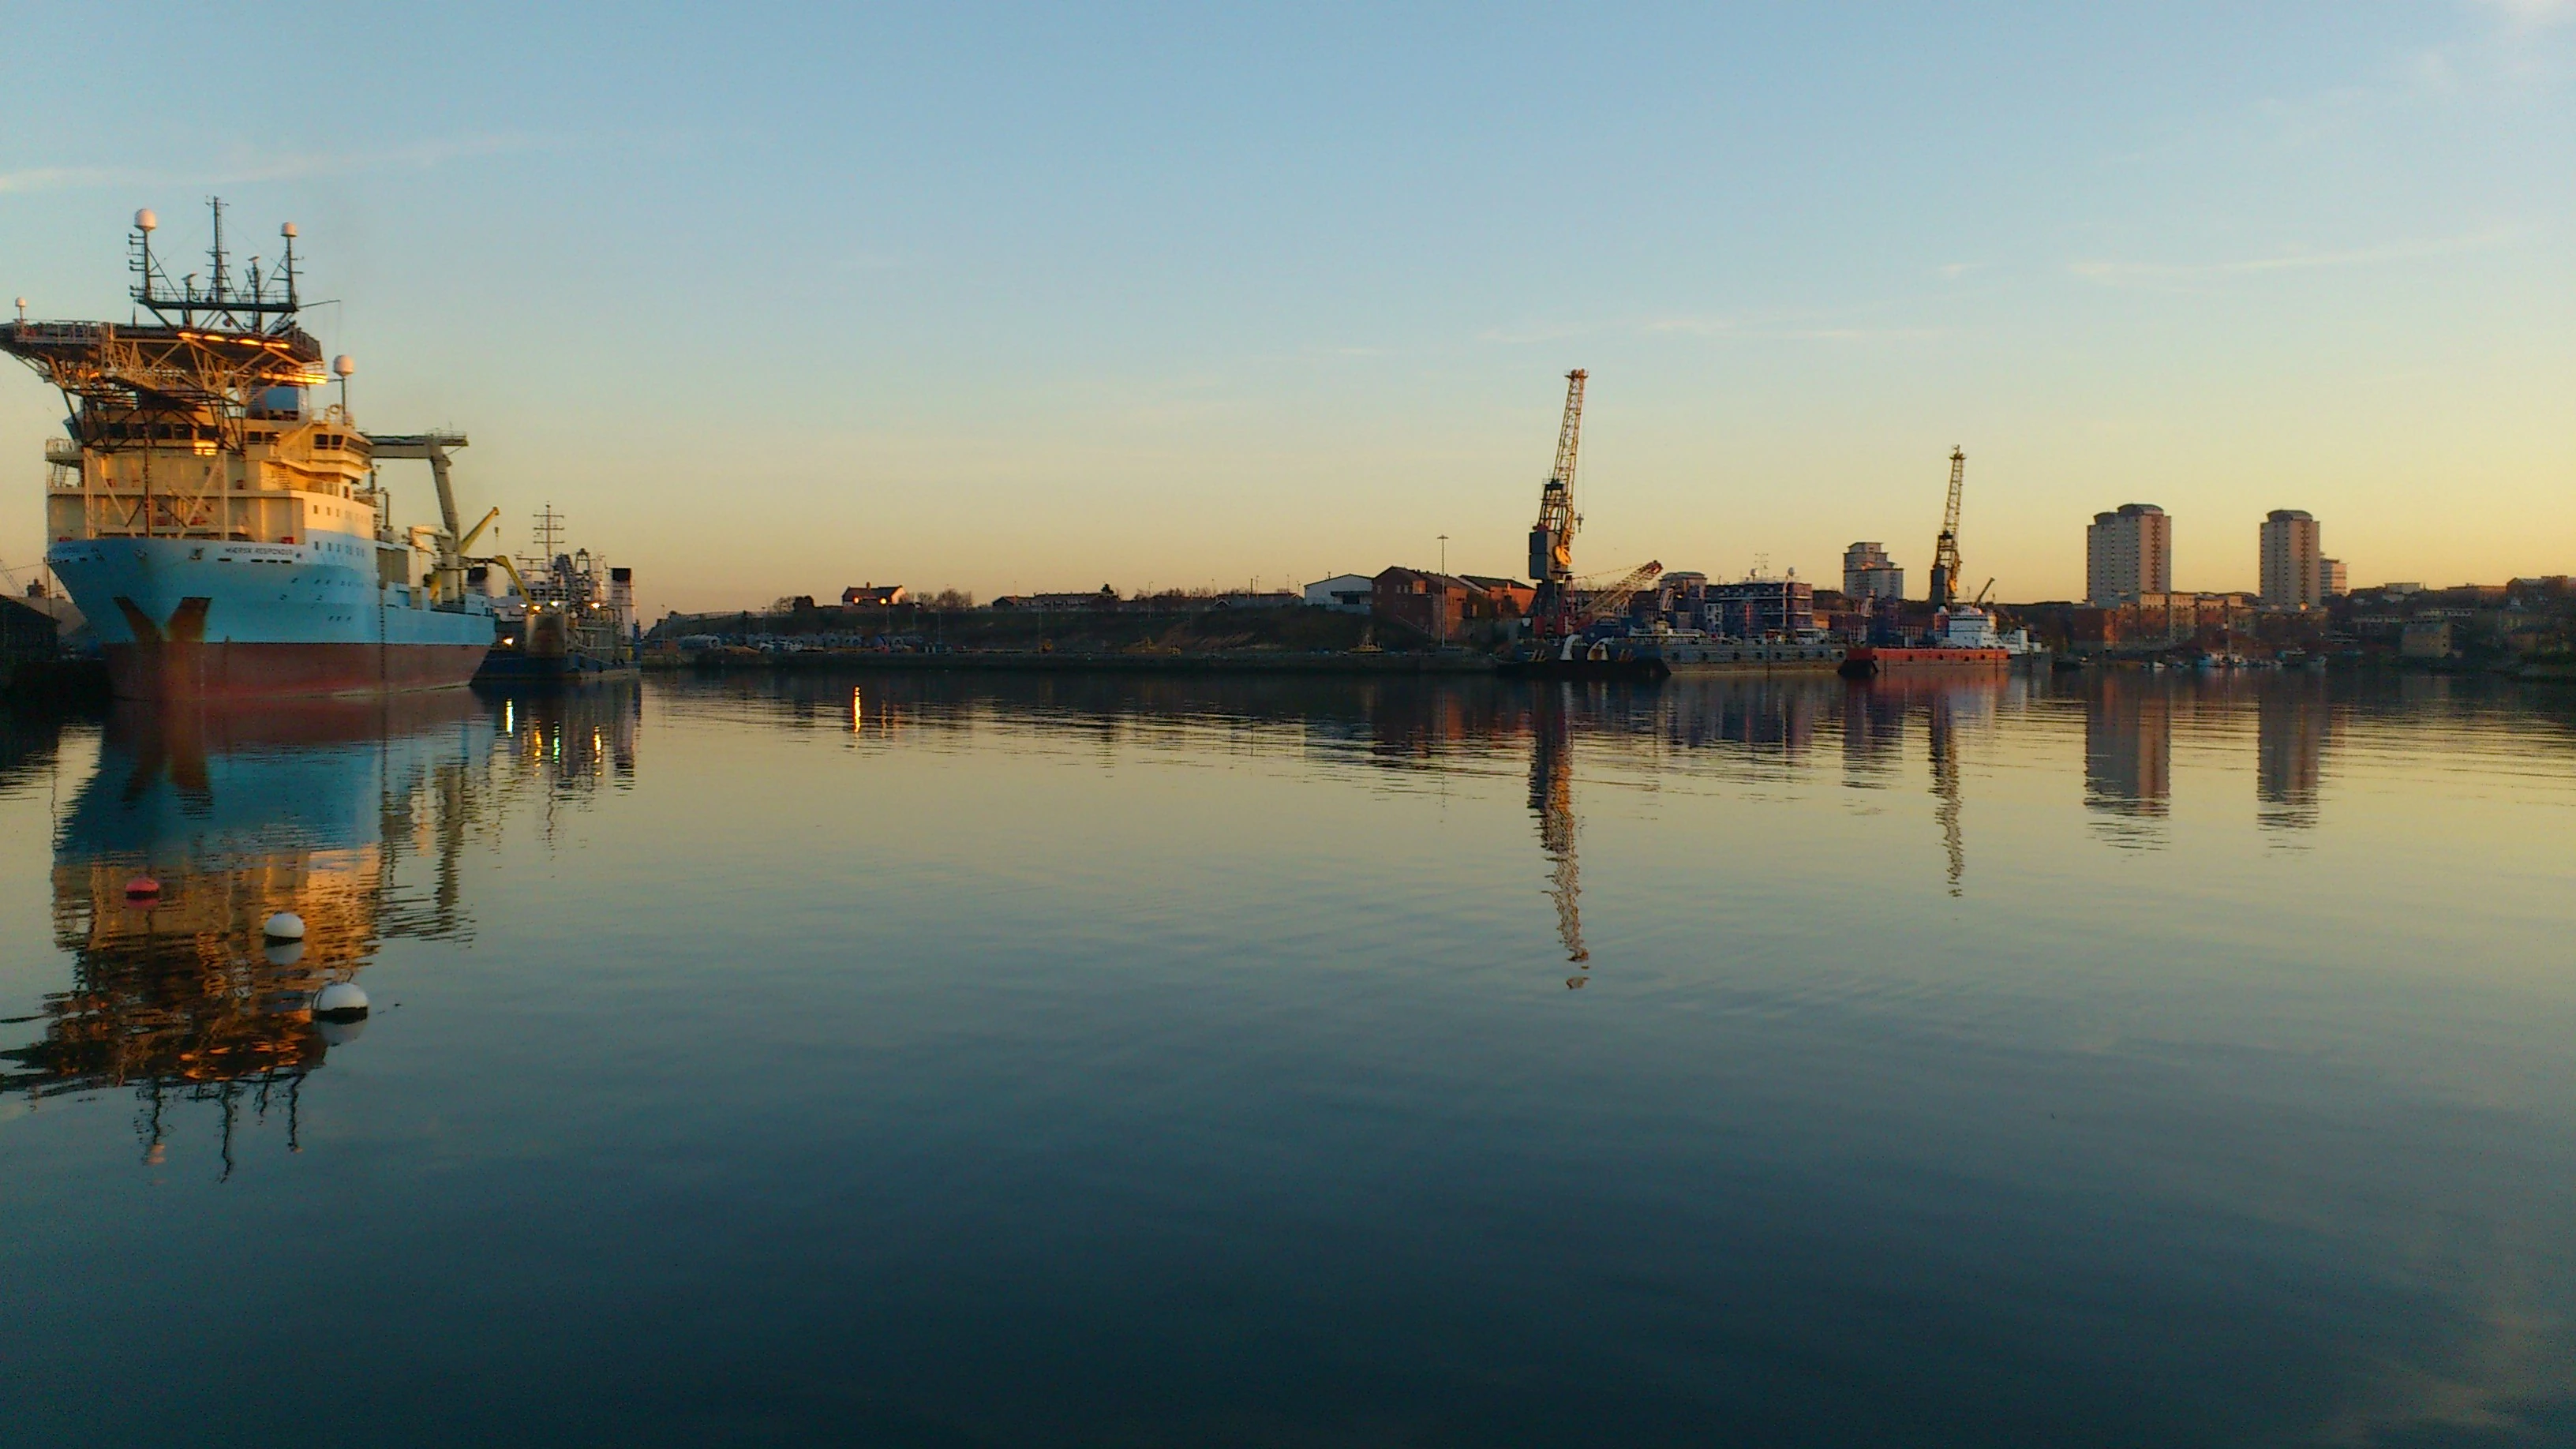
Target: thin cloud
[
  {"x": 2533, "y": 14},
  {"x": 54, "y": 178},
  {"x": 1695, "y": 326},
  {"x": 2147, "y": 274},
  {"x": 292, "y": 166},
  {"x": 1542, "y": 334},
  {"x": 1775, "y": 332}
]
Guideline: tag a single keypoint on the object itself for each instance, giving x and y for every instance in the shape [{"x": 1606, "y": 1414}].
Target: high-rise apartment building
[
  {"x": 1868, "y": 573},
  {"x": 2294, "y": 575},
  {"x": 2337, "y": 582},
  {"x": 2128, "y": 552}
]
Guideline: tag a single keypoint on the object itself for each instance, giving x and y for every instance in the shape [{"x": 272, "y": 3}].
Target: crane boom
[
  {"x": 1551, "y": 552},
  {"x": 1945, "y": 549},
  {"x": 1614, "y": 599}
]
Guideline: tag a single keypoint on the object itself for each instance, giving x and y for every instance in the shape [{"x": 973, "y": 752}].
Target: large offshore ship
[{"x": 224, "y": 536}]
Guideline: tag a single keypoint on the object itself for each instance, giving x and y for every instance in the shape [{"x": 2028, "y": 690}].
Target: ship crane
[
  {"x": 1551, "y": 550},
  {"x": 1613, "y": 601},
  {"x": 1945, "y": 550}
]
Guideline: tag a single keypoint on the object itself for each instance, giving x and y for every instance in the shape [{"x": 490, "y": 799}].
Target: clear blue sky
[{"x": 776, "y": 300}]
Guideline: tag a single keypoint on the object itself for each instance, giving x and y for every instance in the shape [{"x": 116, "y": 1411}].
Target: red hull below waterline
[{"x": 271, "y": 671}]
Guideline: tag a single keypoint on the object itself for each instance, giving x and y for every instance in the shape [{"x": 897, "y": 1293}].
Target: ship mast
[{"x": 191, "y": 375}]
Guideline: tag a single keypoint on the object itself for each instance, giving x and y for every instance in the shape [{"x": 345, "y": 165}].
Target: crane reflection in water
[
  {"x": 1551, "y": 799},
  {"x": 234, "y": 814}
]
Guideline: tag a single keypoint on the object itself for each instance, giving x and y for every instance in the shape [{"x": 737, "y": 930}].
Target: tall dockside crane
[
  {"x": 1945, "y": 550},
  {"x": 1551, "y": 550}
]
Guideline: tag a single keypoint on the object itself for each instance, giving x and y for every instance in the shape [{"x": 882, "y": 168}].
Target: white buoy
[
  {"x": 283, "y": 953},
  {"x": 284, "y": 926},
  {"x": 340, "y": 1001}
]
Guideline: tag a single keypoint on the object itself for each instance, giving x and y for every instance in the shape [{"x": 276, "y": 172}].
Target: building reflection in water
[
  {"x": 2128, "y": 755},
  {"x": 1873, "y": 729},
  {"x": 240, "y": 813},
  {"x": 2294, "y": 722},
  {"x": 1755, "y": 730},
  {"x": 1873, "y": 719}
]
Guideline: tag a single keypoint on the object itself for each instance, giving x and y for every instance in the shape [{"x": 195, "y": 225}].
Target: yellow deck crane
[{"x": 1945, "y": 549}]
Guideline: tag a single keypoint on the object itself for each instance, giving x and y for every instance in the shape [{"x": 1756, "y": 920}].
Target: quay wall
[{"x": 1024, "y": 661}]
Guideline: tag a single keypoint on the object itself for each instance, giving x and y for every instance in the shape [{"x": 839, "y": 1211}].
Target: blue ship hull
[{"x": 206, "y": 618}]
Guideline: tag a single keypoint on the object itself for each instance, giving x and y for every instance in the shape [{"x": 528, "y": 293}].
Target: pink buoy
[{"x": 142, "y": 888}]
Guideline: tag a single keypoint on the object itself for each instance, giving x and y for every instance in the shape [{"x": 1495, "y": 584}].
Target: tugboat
[{"x": 224, "y": 535}]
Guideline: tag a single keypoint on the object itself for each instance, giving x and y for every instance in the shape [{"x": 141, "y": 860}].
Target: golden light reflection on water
[
  {"x": 237, "y": 814},
  {"x": 1997, "y": 1000}
]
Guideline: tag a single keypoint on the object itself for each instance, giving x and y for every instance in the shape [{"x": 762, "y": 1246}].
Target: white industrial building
[{"x": 1346, "y": 592}]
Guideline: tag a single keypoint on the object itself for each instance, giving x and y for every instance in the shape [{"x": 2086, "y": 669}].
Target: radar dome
[
  {"x": 288, "y": 230},
  {"x": 343, "y": 365},
  {"x": 144, "y": 220}
]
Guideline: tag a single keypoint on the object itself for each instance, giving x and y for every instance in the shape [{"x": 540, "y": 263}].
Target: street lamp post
[{"x": 1443, "y": 615}]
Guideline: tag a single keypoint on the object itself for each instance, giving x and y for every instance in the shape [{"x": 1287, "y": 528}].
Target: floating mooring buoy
[
  {"x": 340, "y": 1001},
  {"x": 284, "y": 926},
  {"x": 142, "y": 888}
]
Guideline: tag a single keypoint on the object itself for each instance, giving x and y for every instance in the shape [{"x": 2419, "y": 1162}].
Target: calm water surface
[{"x": 1100, "y": 1061}]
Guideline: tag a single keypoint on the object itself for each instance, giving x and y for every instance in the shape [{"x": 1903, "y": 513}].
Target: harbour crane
[
  {"x": 1945, "y": 550},
  {"x": 1551, "y": 550},
  {"x": 1612, "y": 601}
]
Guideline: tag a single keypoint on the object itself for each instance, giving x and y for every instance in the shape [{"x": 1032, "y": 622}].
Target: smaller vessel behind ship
[
  {"x": 1689, "y": 651},
  {"x": 573, "y": 622},
  {"x": 224, "y": 536},
  {"x": 1963, "y": 638}
]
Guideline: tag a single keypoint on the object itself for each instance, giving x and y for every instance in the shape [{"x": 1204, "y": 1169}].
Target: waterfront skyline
[{"x": 1038, "y": 301}]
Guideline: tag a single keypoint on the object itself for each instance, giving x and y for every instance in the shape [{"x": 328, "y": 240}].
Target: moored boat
[
  {"x": 1963, "y": 638},
  {"x": 223, "y": 535}
]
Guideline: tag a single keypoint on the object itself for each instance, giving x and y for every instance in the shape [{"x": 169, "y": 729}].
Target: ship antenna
[{"x": 215, "y": 259}]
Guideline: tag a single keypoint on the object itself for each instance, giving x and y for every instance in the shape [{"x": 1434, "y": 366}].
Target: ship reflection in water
[
  {"x": 1159, "y": 1058},
  {"x": 201, "y": 822}
]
